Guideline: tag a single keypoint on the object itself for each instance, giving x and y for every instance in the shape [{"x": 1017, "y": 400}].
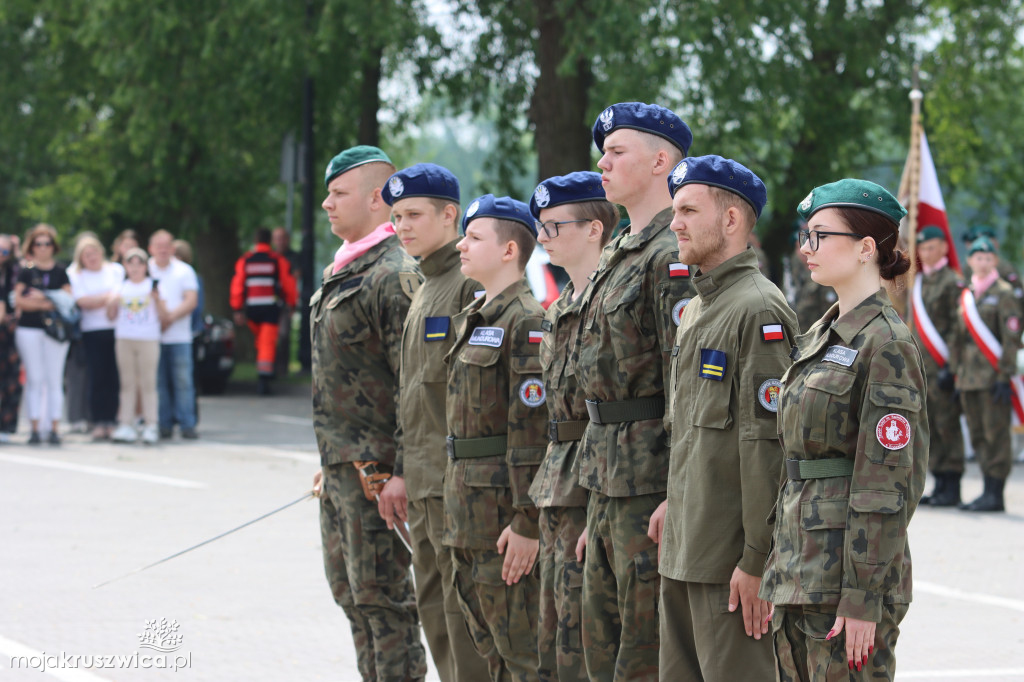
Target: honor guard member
[
  {"x": 424, "y": 202},
  {"x": 985, "y": 361},
  {"x": 497, "y": 434},
  {"x": 356, "y": 319},
  {"x": 575, "y": 221},
  {"x": 628, "y": 321},
  {"x": 731, "y": 351},
  {"x": 854, "y": 428},
  {"x": 1006, "y": 270},
  {"x": 936, "y": 297},
  {"x": 263, "y": 285}
]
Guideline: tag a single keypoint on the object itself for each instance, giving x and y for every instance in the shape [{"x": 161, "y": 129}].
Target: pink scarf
[
  {"x": 349, "y": 251},
  {"x": 943, "y": 262},
  {"x": 981, "y": 284}
]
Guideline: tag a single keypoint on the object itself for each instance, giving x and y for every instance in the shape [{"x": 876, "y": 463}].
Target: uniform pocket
[
  {"x": 822, "y": 532},
  {"x": 630, "y": 332},
  {"x": 878, "y": 535},
  {"x": 828, "y": 410},
  {"x": 886, "y": 400},
  {"x": 349, "y": 324},
  {"x": 481, "y": 375},
  {"x": 640, "y": 612},
  {"x": 486, "y": 499}
]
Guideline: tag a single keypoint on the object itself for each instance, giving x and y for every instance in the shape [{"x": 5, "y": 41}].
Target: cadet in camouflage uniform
[
  {"x": 425, "y": 209},
  {"x": 576, "y": 222},
  {"x": 985, "y": 390},
  {"x": 628, "y": 319},
  {"x": 854, "y": 428},
  {"x": 731, "y": 350},
  {"x": 356, "y": 318},
  {"x": 938, "y": 288},
  {"x": 1007, "y": 272},
  {"x": 497, "y": 426}
]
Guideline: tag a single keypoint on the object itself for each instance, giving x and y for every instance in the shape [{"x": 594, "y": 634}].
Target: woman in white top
[
  {"x": 93, "y": 282},
  {"x": 135, "y": 307}
]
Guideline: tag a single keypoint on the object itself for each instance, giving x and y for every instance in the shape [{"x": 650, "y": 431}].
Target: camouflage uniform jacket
[
  {"x": 1000, "y": 312},
  {"x": 557, "y": 482},
  {"x": 356, "y": 319},
  {"x": 726, "y": 459},
  {"x": 627, "y": 330},
  {"x": 428, "y": 336},
  {"x": 842, "y": 541},
  {"x": 940, "y": 292},
  {"x": 495, "y": 388}
]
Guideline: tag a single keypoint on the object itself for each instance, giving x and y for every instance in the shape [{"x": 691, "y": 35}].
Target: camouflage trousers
[
  {"x": 946, "y": 450},
  {"x": 989, "y": 426},
  {"x": 502, "y": 619},
  {"x": 561, "y": 589},
  {"x": 804, "y": 655},
  {"x": 620, "y": 589},
  {"x": 368, "y": 571},
  {"x": 455, "y": 656},
  {"x": 703, "y": 642}
]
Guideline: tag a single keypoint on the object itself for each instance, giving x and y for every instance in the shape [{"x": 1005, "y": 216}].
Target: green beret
[
  {"x": 352, "y": 157},
  {"x": 930, "y": 232},
  {"x": 981, "y": 245},
  {"x": 852, "y": 193},
  {"x": 983, "y": 231}
]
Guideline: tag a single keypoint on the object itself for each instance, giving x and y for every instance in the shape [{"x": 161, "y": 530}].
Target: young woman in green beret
[{"x": 854, "y": 428}]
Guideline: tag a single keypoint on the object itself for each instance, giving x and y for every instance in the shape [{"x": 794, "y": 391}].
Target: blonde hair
[{"x": 83, "y": 243}]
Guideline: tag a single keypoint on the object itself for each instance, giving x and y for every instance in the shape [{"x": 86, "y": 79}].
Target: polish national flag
[{"x": 931, "y": 209}]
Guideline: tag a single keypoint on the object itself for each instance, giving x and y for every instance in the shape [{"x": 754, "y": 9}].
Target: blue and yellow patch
[
  {"x": 712, "y": 364},
  {"x": 436, "y": 328}
]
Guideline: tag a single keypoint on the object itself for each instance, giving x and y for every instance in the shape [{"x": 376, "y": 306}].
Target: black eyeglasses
[
  {"x": 812, "y": 236},
  {"x": 550, "y": 228}
]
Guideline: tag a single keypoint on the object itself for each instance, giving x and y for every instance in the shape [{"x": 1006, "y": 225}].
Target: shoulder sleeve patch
[{"x": 410, "y": 282}]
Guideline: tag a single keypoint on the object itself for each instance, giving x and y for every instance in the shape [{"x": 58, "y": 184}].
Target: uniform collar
[
  {"x": 710, "y": 284},
  {"x": 852, "y": 323},
  {"x": 489, "y": 311},
  {"x": 441, "y": 261},
  {"x": 632, "y": 241},
  {"x": 364, "y": 261}
]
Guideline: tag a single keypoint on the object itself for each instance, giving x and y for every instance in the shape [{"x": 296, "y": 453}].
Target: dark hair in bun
[{"x": 891, "y": 262}]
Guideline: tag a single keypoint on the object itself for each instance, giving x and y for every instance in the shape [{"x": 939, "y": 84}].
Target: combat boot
[
  {"x": 948, "y": 494},
  {"x": 940, "y": 485},
  {"x": 991, "y": 499}
]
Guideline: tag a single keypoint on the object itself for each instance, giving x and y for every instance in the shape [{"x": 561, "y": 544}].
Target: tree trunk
[{"x": 369, "y": 99}]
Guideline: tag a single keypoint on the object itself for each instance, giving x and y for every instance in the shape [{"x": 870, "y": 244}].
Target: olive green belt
[
  {"x": 560, "y": 432},
  {"x": 803, "y": 469},
  {"x": 615, "y": 412},
  {"x": 472, "y": 448}
]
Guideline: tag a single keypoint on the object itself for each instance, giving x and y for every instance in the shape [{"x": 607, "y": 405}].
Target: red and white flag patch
[
  {"x": 536, "y": 337},
  {"x": 771, "y": 332},
  {"x": 678, "y": 270}
]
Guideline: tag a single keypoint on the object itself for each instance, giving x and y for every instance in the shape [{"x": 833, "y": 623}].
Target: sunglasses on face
[{"x": 47, "y": 243}]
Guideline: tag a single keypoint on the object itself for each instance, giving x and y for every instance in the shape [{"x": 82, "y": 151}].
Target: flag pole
[{"x": 912, "y": 179}]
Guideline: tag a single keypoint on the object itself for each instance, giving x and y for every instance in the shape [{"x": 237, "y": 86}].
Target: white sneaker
[
  {"x": 150, "y": 435},
  {"x": 124, "y": 434}
]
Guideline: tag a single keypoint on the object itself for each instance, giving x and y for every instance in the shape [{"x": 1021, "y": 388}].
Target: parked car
[{"x": 213, "y": 353}]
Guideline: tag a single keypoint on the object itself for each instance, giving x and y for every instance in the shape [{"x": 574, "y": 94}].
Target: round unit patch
[
  {"x": 893, "y": 432},
  {"x": 542, "y": 196},
  {"x": 677, "y": 310},
  {"x": 1013, "y": 324},
  {"x": 679, "y": 173},
  {"x": 532, "y": 393},
  {"x": 473, "y": 208},
  {"x": 396, "y": 186},
  {"x": 768, "y": 394}
]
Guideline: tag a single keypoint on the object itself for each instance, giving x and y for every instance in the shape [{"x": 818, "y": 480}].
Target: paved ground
[{"x": 255, "y": 605}]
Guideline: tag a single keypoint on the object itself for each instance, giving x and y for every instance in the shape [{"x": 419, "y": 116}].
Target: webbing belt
[
  {"x": 560, "y": 432},
  {"x": 619, "y": 411},
  {"x": 472, "y": 448},
  {"x": 803, "y": 469}
]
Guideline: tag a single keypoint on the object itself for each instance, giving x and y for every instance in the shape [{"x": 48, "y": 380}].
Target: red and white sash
[
  {"x": 991, "y": 349},
  {"x": 930, "y": 337}
]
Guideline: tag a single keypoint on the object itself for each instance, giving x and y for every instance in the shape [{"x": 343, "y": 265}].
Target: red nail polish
[
  {"x": 851, "y": 665},
  {"x": 858, "y": 667},
  {"x": 870, "y": 650},
  {"x": 830, "y": 635},
  {"x": 865, "y": 659}
]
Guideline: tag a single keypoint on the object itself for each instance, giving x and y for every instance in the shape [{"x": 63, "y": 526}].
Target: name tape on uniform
[
  {"x": 487, "y": 336},
  {"x": 841, "y": 355},
  {"x": 436, "y": 328}
]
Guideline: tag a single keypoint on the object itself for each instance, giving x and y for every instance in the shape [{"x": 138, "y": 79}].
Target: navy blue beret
[
  {"x": 421, "y": 180},
  {"x": 502, "y": 208},
  {"x": 647, "y": 118},
  {"x": 573, "y": 188},
  {"x": 719, "y": 172}
]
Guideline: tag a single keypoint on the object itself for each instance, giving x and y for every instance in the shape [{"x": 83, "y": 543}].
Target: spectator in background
[
  {"x": 261, "y": 289},
  {"x": 10, "y": 361},
  {"x": 281, "y": 241},
  {"x": 179, "y": 291},
  {"x": 42, "y": 355},
  {"x": 123, "y": 243},
  {"x": 93, "y": 282},
  {"x": 183, "y": 252}
]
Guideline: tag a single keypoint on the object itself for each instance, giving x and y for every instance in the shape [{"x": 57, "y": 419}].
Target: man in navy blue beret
[
  {"x": 732, "y": 349},
  {"x": 621, "y": 363}
]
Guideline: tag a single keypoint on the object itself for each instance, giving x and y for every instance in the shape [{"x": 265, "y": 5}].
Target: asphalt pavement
[{"x": 255, "y": 605}]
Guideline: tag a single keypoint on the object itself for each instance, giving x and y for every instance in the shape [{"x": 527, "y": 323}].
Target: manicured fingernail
[
  {"x": 870, "y": 650},
  {"x": 865, "y": 659},
  {"x": 830, "y": 635},
  {"x": 851, "y": 665},
  {"x": 858, "y": 666},
  {"x": 766, "y": 619}
]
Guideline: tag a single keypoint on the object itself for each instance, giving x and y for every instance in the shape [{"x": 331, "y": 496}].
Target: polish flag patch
[
  {"x": 678, "y": 270},
  {"x": 536, "y": 337},
  {"x": 771, "y": 332}
]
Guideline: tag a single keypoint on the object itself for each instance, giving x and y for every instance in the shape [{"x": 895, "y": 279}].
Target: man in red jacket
[{"x": 263, "y": 282}]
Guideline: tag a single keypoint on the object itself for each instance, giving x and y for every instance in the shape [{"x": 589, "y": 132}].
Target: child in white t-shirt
[{"x": 135, "y": 309}]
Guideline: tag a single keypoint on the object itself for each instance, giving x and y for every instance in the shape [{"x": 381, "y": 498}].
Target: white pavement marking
[
  {"x": 265, "y": 450},
  {"x": 977, "y": 597},
  {"x": 960, "y": 674},
  {"x": 102, "y": 471},
  {"x": 285, "y": 419},
  {"x": 12, "y": 650}
]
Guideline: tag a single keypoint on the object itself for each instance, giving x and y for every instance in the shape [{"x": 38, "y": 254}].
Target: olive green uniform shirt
[
  {"x": 495, "y": 389},
  {"x": 732, "y": 349},
  {"x": 429, "y": 335},
  {"x": 1000, "y": 311},
  {"x": 856, "y": 391},
  {"x": 356, "y": 317},
  {"x": 627, "y": 330}
]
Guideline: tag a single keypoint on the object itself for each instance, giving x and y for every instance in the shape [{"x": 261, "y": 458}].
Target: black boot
[
  {"x": 949, "y": 494},
  {"x": 263, "y": 387},
  {"x": 991, "y": 500},
  {"x": 940, "y": 485}
]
